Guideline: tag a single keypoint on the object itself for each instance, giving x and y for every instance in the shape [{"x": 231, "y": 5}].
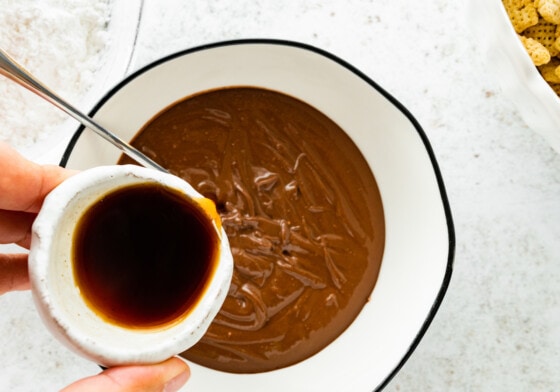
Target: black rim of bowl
[{"x": 390, "y": 98}]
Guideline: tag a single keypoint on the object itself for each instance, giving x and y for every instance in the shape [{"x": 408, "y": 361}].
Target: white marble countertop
[{"x": 498, "y": 328}]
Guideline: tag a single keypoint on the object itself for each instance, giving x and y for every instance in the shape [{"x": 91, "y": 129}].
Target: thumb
[
  {"x": 167, "y": 376},
  {"x": 13, "y": 272}
]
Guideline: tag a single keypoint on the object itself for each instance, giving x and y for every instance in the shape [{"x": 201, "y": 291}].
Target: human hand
[
  {"x": 23, "y": 187},
  {"x": 167, "y": 376}
]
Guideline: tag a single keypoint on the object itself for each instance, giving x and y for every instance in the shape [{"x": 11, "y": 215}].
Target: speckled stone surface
[{"x": 498, "y": 328}]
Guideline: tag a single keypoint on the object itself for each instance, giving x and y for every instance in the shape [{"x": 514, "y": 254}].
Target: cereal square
[
  {"x": 549, "y": 10},
  {"x": 522, "y": 13},
  {"x": 545, "y": 33},
  {"x": 539, "y": 54}
]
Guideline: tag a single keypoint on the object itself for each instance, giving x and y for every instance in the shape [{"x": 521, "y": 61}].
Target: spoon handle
[{"x": 12, "y": 70}]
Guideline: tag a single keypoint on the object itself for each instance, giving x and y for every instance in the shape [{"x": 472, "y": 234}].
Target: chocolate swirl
[{"x": 302, "y": 213}]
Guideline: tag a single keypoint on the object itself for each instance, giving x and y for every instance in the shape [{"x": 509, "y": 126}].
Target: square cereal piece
[
  {"x": 551, "y": 71},
  {"x": 549, "y": 10},
  {"x": 557, "y": 41},
  {"x": 538, "y": 53},
  {"x": 522, "y": 13},
  {"x": 545, "y": 33}
]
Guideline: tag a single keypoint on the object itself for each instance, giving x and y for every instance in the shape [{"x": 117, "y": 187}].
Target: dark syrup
[{"x": 142, "y": 255}]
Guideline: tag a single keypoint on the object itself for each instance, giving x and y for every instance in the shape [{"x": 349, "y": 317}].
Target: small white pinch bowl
[{"x": 58, "y": 298}]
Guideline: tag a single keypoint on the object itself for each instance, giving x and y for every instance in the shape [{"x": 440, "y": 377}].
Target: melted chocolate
[{"x": 302, "y": 212}]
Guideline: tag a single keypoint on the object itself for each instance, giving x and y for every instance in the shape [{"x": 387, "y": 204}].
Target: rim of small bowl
[
  {"x": 149, "y": 345},
  {"x": 399, "y": 106}
]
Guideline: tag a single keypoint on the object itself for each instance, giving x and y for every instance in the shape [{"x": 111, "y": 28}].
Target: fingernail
[{"x": 176, "y": 382}]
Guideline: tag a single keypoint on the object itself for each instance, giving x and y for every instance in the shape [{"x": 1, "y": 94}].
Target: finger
[
  {"x": 14, "y": 274},
  {"x": 167, "y": 376},
  {"x": 24, "y": 184},
  {"x": 15, "y": 227}
]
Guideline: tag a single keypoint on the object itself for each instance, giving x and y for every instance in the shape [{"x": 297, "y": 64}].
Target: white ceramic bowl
[
  {"x": 57, "y": 295},
  {"x": 512, "y": 67},
  {"x": 419, "y": 248}
]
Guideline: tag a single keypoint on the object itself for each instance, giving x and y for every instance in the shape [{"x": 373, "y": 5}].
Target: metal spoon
[{"x": 14, "y": 71}]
